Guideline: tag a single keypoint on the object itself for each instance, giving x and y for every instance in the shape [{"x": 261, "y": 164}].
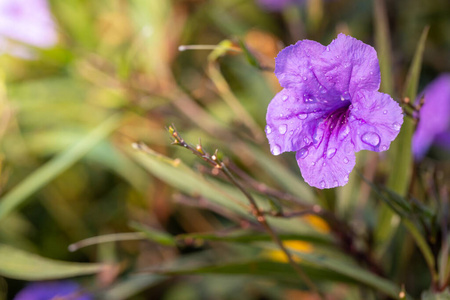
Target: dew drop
[
  {"x": 328, "y": 49},
  {"x": 303, "y": 152},
  {"x": 291, "y": 132},
  {"x": 396, "y": 126},
  {"x": 344, "y": 132},
  {"x": 313, "y": 164},
  {"x": 322, "y": 184},
  {"x": 282, "y": 129},
  {"x": 276, "y": 150},
  {"x": 331, "y": 153},
  {"x": 384, "y": 112},
  {"x": 285, "y": 98},
  {"x": 345, "y": 160},
  {"x": 335, "y": 183},
  {"x": 342, "y": 98},
  {"x": 346, "y": 178},
  {"x": 384, "y": 148},
  {"x": 306, "y": 140},
  {"x": 281, "y": 115},
  {"x": 371, "y": 138},
  {"x": 302, "y": 116},
  {"x": 304, "y": 78},
  {"x": 317, "y": 137},
  {"x": 268, "y": 129}
]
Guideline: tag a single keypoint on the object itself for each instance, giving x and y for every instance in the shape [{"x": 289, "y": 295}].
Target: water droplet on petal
[
  {"x": 281, "y": 115},
  {"x": 285, "y": 98},
  {"x": 335, "y": 183},
  {"x": 346, "y": 178},
  {"x": 345, "y": 160},
  {"x": 302, "y": 116},
  {"x": 276, "y": 150},
  {"x": 317, "y": 137},
  {"x": 342, "y": 98},
  {"x": 331, "y": 152},
  {"x": 268, "y": 129},
  {"x": 384, "y": 148},
  {"x": 384, "y": 112},
  {"x": 313, "y": 164},
  {"x": 282, "y": 129},
  {"x": 396, "y": 126},
  {"x": 328, "y": 48},
  {"x": 304, "y": 78},
  {"x": 371, "y": 138},
  {"x": 303, "y": 152},
  {"x": 343, "y": 133},
  {"x": 291, "y": 132},
  {"x": 322, "y": 184},
  {"x": 306, "y": 140}
]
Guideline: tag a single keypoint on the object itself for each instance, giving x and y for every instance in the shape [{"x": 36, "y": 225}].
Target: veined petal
[
  {"x": 349, "y": 65},
  {"x": 328, "y": 163},
  {"x": 375, "y": 120},
  {"x": 294, "y": 63},
  {"x": 291, "y": 121}
]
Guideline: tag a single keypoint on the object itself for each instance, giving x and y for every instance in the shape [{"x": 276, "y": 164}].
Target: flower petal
[
  {"x": 375, "y": 120},
  {"x": 329, "y": 74},
  {"x": 349, "y": 65},
  {"x": 328, "y": 163},
  {"x": 434, "y": 115},
  {"x": 292, "y": 120}
]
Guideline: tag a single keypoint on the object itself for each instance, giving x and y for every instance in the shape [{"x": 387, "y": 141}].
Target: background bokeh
[{"x": 70, "y": 114}]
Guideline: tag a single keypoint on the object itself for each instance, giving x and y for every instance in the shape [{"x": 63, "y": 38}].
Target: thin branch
[{"x": 215, "y": 162}]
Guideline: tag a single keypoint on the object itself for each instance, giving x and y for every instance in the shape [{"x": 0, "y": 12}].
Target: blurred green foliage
[{"x": 69, "y": 171}]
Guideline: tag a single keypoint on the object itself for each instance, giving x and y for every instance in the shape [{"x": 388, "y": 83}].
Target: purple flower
[
  {"x": 330, "y": 108},
  {"x": 52, "y": 290},
  {"x": 26, "y": 21},
  {"x": 277, "y": 5},
  {"x": 434, "y": 122}
]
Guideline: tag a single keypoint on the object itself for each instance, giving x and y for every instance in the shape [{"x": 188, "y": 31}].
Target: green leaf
[
  {"x": 180, "y": 176},
  {"x": 154, "y": 235},
  {"x": 246, "y": 236},
  {"x": 383, "y": 46},
  {"x": 248, "y": 55},
  {"x": 401, "y": 147},
  {"x": 18, "y": 264},
  {"x": 42, "y": 176},
  {"x": 400, "y": 152}
]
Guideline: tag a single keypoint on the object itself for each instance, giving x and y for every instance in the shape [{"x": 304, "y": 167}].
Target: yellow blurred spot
[
  {"x": 318, "y": 223},
  {"x": 299, "y": 246}
]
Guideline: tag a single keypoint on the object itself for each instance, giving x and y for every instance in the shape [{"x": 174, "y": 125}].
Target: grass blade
[{"x": 20, "y": 193}]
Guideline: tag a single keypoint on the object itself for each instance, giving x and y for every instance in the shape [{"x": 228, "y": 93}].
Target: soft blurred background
[{"x": 164, "y": 224}]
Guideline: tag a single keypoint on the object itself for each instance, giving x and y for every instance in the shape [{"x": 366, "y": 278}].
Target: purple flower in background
[
  {"x": 52, "y": 290},
  {"x": 277, "y": 5},
  {"x": 330, "y": 108},
  {"x": 434, "y": 122},
  {"x": 28, "y": 22}
]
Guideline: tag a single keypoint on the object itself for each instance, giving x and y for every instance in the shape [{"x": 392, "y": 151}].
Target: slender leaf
[
  {"x": 18, "y": 264},
  {"x": 154, "y": 235},
  {"x": 383, "y": 46},
  {"x": 42, "y": 176}
]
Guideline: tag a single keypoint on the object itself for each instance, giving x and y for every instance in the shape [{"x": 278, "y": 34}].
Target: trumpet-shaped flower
[
  {"x": 434, "y": 117},
  {"x": 26, "y": 21},
  {"x": 330, "y": 108}
]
